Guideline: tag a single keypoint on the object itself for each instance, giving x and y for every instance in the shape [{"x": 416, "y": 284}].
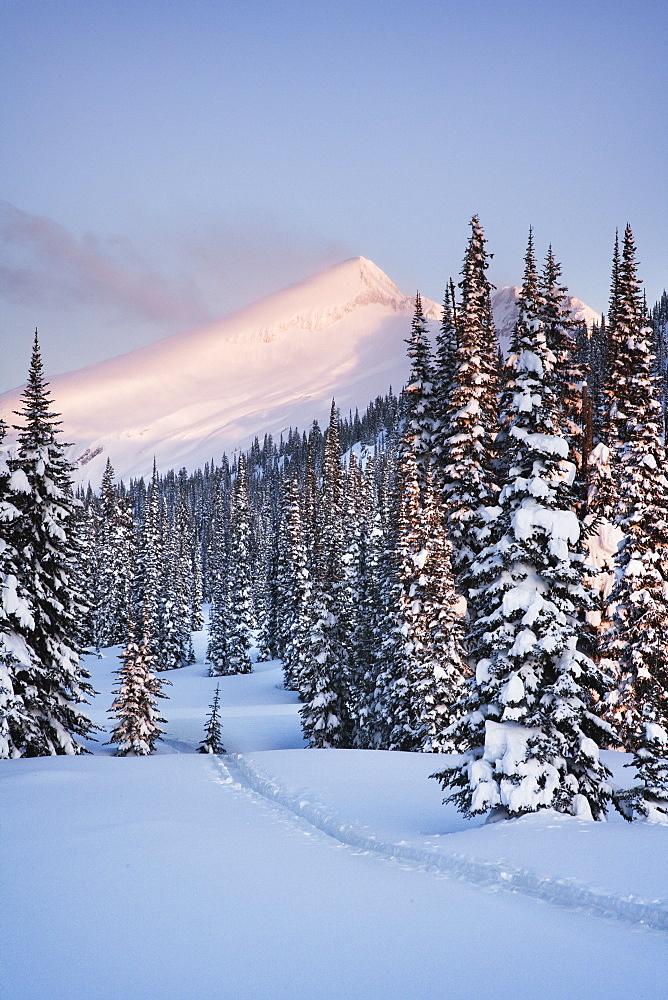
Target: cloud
[
  {"x": 181, "y": 278},
  {"x": 46, "y": 266}
]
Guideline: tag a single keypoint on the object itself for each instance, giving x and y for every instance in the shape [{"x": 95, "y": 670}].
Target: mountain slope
[{"x": 273, "y": 364}]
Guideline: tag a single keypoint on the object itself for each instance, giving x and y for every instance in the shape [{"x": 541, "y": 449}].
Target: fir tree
[
  {"x": 324, "y": 685},
  {"x": 16, "y": 725},
  {"x": 637, "y": 644},
  {"x": 115, "y": 563},
  {"x": 54, "y": 683},
  {"x": 466, "y": 461},
  {"x": 240, "y": 609},
  {"x": 425, "y": 662},
  {"x": 567, "y": 373},
  {"x": 135, "y": 706},
  {"x": 213, "y": 736},
  {"x": 419, "y": 393}
]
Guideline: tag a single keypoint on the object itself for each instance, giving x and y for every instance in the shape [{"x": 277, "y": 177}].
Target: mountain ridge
[{"x": 273, "y": 364}]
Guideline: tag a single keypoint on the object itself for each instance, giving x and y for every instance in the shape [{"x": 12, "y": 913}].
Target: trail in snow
[{"x": 496, "y": 876}]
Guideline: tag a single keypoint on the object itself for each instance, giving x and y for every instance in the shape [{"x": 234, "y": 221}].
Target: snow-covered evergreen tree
[
  {"x": 146, "y": 588},
  {"x": 295, "y": 590},
  {"x": 638, "y": 641},
  {"x": 233, "y": 616},
  {"x": 466, "y": 460},
  {"x": 528, "y": 730},
  {"x": 135, "y": 707},
  {"x": 54, "y": 683},
  {"x": 419, "y": 393},
  {"x": 445, "y": 366},
  {"x": 213, "y": 734},
  {"x": 16, "y": 617},
  {"x": 324, "y": 684},
  {"x": 424, "y": 661},
  {"x": 648, "y": 799},
  {"x": 115, "y": 563},
  {"x": 560, "y": 338},
  {"x": 241, "y": 608}
]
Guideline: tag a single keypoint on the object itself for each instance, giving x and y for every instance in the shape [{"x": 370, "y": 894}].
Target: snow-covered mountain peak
[{"x": 273, "y": 364}]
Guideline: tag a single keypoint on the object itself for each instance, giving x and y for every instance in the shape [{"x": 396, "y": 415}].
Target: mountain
[
  {"x": 268, "y": 366},
  {"x": 504, "y": 307}
]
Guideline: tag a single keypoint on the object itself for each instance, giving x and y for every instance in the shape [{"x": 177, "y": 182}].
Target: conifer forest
[{"x": 475, "y": 566}]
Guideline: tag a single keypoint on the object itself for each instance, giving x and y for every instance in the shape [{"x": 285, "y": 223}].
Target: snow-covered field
[{"x": 306, "y": 874}]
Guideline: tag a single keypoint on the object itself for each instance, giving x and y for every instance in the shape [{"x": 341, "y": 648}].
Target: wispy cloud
[
  {"x": 182, "y": 277},
  {"x": 45, "y": 265}
]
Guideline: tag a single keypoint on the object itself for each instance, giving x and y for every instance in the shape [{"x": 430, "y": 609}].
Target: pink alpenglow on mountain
[{"x": 272, "y": 365}]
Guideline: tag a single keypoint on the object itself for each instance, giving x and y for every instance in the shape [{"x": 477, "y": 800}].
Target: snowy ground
[{"x": 311, "y": 875}]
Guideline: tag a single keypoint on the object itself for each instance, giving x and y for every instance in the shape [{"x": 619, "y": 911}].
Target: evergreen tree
[
  {"x": 445, "y": 366},
  {"x": 560, "y": 339},
  {"x": 648, "y": 799},
  {"x": 295, "y": 591},
  {"x": 114, "y": 562},
  {"x": 135, "y": 706},
  {"x": 466, "y": 461},
  {"x": 419, "y": 393},
  {"x": 213, "y": 736},
  {"x": 16, "y": 617},
  {"x": 425, "y": 662},
  {"x": 527, "y": 728},
  {"x": 233, "y": 613},
  {"x": 54, "y": 683},
  {"x": 241, "y": 609},
  {"x": 638, "y": 642},
  {"x": 324, "y": 685}
]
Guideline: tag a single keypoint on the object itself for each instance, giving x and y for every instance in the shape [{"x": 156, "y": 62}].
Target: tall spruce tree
[
  {"x": 528, "y": 730},
  {"x": 466, "y": 460},
  {"x": 115, "y": 563},
  {"x": 53, "y": 684},
  {"x": 324, "y": 685},
  {"x": 16, "y": 616},
  {"x": 135, "y": 707},
  {"x": 419, "y": 393},
  {"x": 637, "y": 644}
]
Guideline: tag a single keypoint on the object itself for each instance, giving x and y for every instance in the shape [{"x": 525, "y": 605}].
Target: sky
[{"x": 165, "y": 163}]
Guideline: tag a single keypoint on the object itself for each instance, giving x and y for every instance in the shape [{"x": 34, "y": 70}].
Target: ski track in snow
[{"x": 237, "y": 771}]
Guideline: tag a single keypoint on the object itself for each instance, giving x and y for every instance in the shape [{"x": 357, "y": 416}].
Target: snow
[{"x": 276, "y": 871}]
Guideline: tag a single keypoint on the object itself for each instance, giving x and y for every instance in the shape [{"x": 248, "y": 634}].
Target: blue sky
[{"x": 163, "y": 162}]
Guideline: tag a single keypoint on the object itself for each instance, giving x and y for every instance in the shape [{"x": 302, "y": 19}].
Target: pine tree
[
  {"x": 324, "y": 685},
  {"x": 241, "y": 610},
  {"x": 527, "y": 728},
  {"x": 419, "y": 393},
  {"x": 16, "y": 617},
  {"x": 135, "y": 706},
  {"x": 466, "y": 461},
  {"x": 115, "y": 563},
  {"x": 54, "y": 683},
  {"x": 567, "y": 373},
  {"x": 295, "y": 590},
  {"x": 445, "y": 367},
  {"x": 213, "y": 736},
  {"x": 638, "y": 641},
  {"x": 147, "y": 594},
  {"x": 425, "y": 661}
]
